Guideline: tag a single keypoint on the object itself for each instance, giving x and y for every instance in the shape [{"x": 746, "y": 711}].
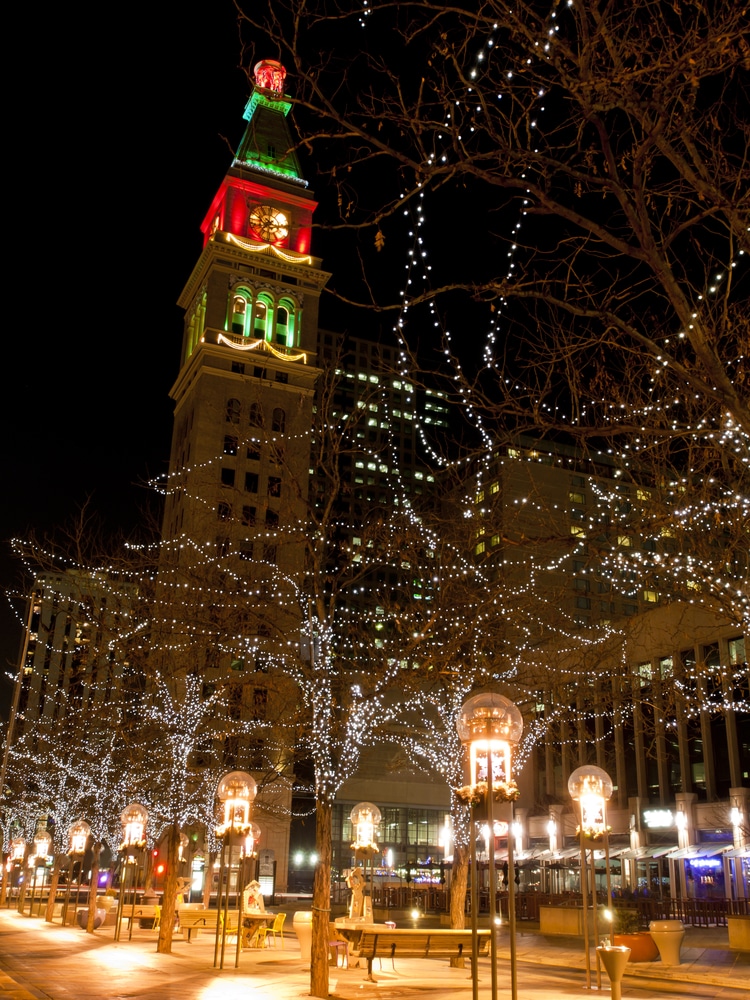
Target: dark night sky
[{"x": 121, "y": 139}]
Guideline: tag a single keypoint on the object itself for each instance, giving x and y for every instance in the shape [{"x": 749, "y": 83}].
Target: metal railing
[{"x": 436, "y": 899}]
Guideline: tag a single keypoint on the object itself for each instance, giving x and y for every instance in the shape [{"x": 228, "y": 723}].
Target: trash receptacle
[
  {"x": 668, "y": 936},
  {"x": 614, "y": 958},
  {"x": 302, "y": 924}
]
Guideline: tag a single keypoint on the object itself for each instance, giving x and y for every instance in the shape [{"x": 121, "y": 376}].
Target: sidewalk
[
  {"x": 706, "y": 958},
  {"x": 40, "y": 961}
]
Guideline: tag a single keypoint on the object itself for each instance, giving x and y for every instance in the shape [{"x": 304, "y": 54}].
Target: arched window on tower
[
  {"x": 262, "y": 315},
  {"x": 286, "y": 323},
  {"x": 233, "y": 411},
  {"x": 196, "y": 324},
  {"x": 240, "y": 310},
  {"x": 278, "y": 420},
  {"x": 282, "y": 326}
]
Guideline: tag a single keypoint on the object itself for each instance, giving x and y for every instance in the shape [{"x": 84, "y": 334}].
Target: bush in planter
[
  {"x": 626, "y": 930},
  {"x": 626, "y": 921}
]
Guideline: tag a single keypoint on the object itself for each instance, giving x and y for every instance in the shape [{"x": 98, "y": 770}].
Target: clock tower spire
[{"x": 261, "y": 215}]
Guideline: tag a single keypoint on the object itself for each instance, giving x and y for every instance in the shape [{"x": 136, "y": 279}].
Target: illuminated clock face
[{"x": 269, "y": 223}]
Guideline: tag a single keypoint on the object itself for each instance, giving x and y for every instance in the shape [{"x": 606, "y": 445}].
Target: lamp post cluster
[{"x": 238, "y": 834}]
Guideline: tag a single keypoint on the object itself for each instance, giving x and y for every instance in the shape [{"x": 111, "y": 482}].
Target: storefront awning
[
  {"x": 569, "y": 852},
  {"x": 738, "y": 852},
  {"x": 646, "y": 853},
  {"x": 699, "y": 851},
  {"x": 621, "y": 852}
]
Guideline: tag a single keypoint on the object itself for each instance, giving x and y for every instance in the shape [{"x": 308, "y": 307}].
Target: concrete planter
[
  {"x": 302, "y": 924},
  {"x": 642, "y": 946},
  {"x": 82, "y": 917},
  {"x": 566, "y": 921},
  {"x": 668, "y": 936},
  {"x": 739, "y": 932}
]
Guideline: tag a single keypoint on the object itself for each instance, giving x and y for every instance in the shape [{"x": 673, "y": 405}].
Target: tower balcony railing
[
  {"x": 272, "y": 251},
  {"x": 255, "y": 347}
]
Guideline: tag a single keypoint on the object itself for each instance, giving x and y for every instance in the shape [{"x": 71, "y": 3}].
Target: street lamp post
[
  {"x": 17, "y": 854},
  {"x": 37, "y": 860},
  {"x": 591, "y": 787},
  {"x": 491, "y": 726},
  {"x": 133, "y": 820},
  {"x": 236, "y": 792},
  {"x": 365, "y": 819},
  {"x": 474, "y": 905},
  {"x": 78, "y": 838},
  {"x": 248, "y": 854}
]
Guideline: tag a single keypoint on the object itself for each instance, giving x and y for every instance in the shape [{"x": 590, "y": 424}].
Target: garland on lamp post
[
  {"x": 594, "y": 834},
  {"x": 502, "y": 791}
]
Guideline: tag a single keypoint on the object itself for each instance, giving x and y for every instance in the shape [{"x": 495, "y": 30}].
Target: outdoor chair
[
  {"x": 231, "y": 929},
  {"x": 276, "y": 929},
  {"x": 337, "y": 946}
]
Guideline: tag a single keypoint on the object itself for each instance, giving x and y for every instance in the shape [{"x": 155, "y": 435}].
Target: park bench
[
  {"x": 405, "y": 942},
  {"x": 139, "y": 911},
  {"x": 193, "y": 921}
]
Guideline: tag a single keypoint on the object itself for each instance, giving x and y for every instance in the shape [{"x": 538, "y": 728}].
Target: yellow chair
[
  {"x": 157, "y": 918},
  {"x": 276, "y": 929},
  {"x": 231, "y": 929}
]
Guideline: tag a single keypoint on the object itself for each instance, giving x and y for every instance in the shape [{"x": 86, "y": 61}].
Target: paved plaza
[{"x": 50, "y": 962}]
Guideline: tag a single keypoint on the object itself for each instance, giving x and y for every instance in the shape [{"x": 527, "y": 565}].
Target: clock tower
[
  {"x": 243, "y": 396},
  {"x": 236, "y": 495}
]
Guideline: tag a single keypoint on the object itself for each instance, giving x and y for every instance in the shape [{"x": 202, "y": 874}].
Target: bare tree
[
  {"x": 621, "y": 130},
  {"x": 591, "y": 162}
]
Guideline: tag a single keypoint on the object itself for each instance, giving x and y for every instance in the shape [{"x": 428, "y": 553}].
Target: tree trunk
[
  {"x": 459, "y": 884},
  {"x": 208, "y": 875},
  {"x": 53, "y": 884},
  {"x": 6, "y": 880},
  {"x": 94, "y": 886},
  {"x": 169, "y": 896},
  {"x": 321, "y": 907}
]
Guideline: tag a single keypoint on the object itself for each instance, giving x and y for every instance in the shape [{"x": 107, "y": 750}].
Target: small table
[
  {"x": 351, "y": 931},
  {"x": 251, "y": 924}
]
